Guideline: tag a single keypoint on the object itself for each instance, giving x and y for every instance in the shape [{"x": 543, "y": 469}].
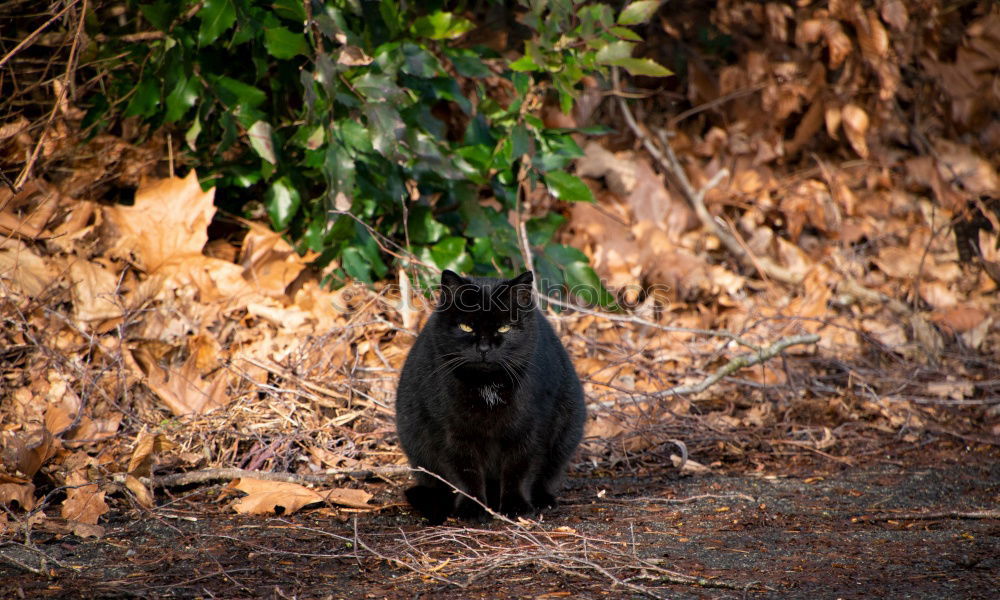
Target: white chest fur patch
[{"x": 490, "y": 394}]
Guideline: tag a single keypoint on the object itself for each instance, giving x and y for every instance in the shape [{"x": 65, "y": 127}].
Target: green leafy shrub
[{"x": 370, "y": 133}]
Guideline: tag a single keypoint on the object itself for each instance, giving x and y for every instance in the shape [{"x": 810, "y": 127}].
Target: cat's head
[{"x": 486, "y": 323}]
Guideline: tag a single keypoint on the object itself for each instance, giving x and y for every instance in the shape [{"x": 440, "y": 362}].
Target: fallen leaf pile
[{"x": 861, "y": 147}]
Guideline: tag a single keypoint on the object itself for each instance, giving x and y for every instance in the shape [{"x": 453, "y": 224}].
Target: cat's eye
[
  {"x": 503, "y": 329},
  {"x": 465, "y": 328}
]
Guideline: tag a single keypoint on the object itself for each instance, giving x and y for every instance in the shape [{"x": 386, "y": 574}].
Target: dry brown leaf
[
  {"x": 95, "y": 292},
  {"x": 264, "y": 497},
  {"x": 956, "y": 390},
  {"x": 142, "y": 494},
  {"x": 838, "y": 45},
  {"x": 84, "y": 501},
  {"x": 26, "y": 452},
  {"x": 631, "y": 178},
  {"x": 900, "y": 263},
  {"x": 270, "y": 263},
  {"x": 85, "y": 530},
  {"x": 962, "y": 166},
  {"x": 147, "y": 446},
  {"x": 855, "y": 122},
  {"x": 94, "y": 429},
  {"x": 22, "y": 493},
  {"x": 169, "y": 220},
  {"x": 895, "y": 14},
  {"x": 184, "y": 391},
  {"x": 23, "y": 270},
  {"x": 938, "y": 294},
  {"x": 960, "y": 319}
]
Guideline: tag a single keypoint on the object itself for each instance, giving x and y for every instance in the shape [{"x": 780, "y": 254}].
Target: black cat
[{"x": 489, "y": 400}]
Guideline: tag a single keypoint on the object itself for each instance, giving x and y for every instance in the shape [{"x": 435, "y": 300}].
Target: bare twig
[
  {"x": 27, "y": 41},
  {"x": 740, "y": 362},
  {"x": 62, "y": 92}
]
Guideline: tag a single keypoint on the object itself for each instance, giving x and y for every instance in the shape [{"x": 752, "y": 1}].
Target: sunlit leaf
[
  {"x": 569, "y": 188},
  {"x": 262, "y": 140},
  {"x": 441, "y": 26},
  {"x": 216, "y": 17},
  {"x": 638, "y": 12},
  {"x": 282, "y": 200},
  {"x": 643, "y": 66}
]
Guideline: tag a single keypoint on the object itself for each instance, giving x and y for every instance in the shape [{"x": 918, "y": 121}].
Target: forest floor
[{"x": 908, "y": 522}]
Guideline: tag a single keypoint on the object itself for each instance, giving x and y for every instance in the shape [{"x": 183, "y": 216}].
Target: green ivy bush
[{"x": 336, "y": 115}]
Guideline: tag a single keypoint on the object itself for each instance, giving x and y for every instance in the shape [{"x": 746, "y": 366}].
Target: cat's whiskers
[
  {"x": 511, "y": 370},
  {"x": 452, "y": 361}
]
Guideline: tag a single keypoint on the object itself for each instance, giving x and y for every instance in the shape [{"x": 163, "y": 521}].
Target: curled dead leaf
[{"x": 855, "y": 123}]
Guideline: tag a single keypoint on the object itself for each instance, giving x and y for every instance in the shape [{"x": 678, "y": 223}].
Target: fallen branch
[{"x": 740, "y": 362}]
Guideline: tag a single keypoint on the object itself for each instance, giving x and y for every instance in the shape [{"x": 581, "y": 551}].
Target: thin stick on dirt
[
  {"x": 222, "y": 474},
  {"x": 696, "y": 198},
  {"x": 949, "y": 514}
]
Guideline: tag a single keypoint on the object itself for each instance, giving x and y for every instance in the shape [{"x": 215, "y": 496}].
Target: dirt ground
[{"x": 911, "y": 522}]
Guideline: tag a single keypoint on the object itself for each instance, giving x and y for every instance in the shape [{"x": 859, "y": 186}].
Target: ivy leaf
[
  {"x": 191, "y": 135},
  {"x": 441, "y": 26},
  {"x": 261, "y": 140},
  {"x": 582, "y": 282},
  {"x": 423, "y": 228},
  {"x": 283, "y": 43},
  {"x": 356, "y": 264},
  {"x": 181, "y": 98},
  {"x": 523, "y": 64},
  {"x": 642, "y": 66},
  {"x": 626, "y": 34},
  {"x": 216, "y": 16},
  {"x": 235, "y": 92},
  {"x": 638, "y": 12},
  {"x": 541, "y": 229},
  {"x": 159, "y": 14},
  {"x": 450, "y": 253},
  {"x": 467, "y": 63},
  {"x": 145, "y": 99},
  {"x": 418, "y": 61},
  {"x": 614, "y": 51},
  {"x": 282, "y": 200},
  {"x": 569, "y": 188},
  {"x": 290, "y": 9}
]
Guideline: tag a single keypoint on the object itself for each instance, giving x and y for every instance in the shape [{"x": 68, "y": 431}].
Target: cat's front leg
[
  {"x": 514, "y": 500},
  {"x": 472, "y": 482}
]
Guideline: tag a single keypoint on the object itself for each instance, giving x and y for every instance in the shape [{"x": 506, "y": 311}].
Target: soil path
[{"x": 849, "y": 532}]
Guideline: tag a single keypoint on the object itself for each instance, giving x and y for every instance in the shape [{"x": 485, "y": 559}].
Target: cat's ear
[
  {"x": 522, "y": 291},
  {"x": 451, "y": 283},
  {"x": 452, "y": 280}
]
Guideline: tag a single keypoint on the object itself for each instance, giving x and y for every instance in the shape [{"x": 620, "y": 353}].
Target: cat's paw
[
  {"x": 515, "y": 506},
  {"x": 432, "y": 503},
  {"x": 543, "y": 500},
  {"x": 470, "y": 510}
]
